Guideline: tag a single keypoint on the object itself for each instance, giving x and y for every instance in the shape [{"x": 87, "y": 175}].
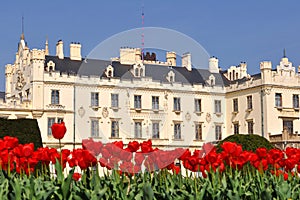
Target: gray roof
[{"x": 94, "y": 67}]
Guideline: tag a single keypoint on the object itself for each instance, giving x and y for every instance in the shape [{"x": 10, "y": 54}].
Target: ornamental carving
[
  {"x": 105, "y": 112},
  {"x": 20, "y": 81},
  {"x": 188, "y": 116},
  {"x": 208, "y": 117}
]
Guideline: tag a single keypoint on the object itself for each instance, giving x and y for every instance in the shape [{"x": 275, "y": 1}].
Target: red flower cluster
[
  {"x": 142, "y": 156},
  {"x": 133, "y": 158}
]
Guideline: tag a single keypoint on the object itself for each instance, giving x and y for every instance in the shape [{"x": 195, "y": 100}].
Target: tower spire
[
  {"x": 46, "y": 47},
  {"x": 284, "y": 53},
  {"x": 22, "y": 35}
]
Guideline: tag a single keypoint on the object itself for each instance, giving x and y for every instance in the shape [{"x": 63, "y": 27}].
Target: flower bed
[
  {"x": 139, "y": 171},
  {"x": 143, "y": 172}
]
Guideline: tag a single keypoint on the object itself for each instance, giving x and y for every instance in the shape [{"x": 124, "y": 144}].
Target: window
[
  {"x": 197, "y": 105},
  {"x": 176, "y": 104},
  {"x": 114, "y": 100},
  {"x": 217, "y": 106},
  {"x": 51, "y": 121},
  {"x": 288, "y": 125},
  {"x": 177, "y": 131},
  {"x": 114, "y": 129},
  {"x": 249, "y": 102},
  {"x": 138, "y": 129},
  {"x": 60, "y": 120},
  {"x": 235, "y": 105},
  {"x": 155, "y": 102},
  {"x": 155, "y": 130},
  {"x": 278, "y": 100},
  {"x": 136, "y": 72},
  {"x": 236, "y": 128},
  {"x": 55, "y": 97},
  {"x": 94, "y": 128},
  {"x": 27, "y": 94},
  {"x": 218, "y": 132},
  {"x": 21, "y": 97},
  {"x": 95, "y": 99},
  {"x": 295, "y": 101},
  {"x": 137, "y": 101},
  {"x": 250, "y": 127},
  {"x": 171, "y": 78},
  {"x": 198, "y": 131}
]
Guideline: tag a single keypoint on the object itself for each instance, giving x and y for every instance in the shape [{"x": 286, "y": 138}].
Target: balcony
[
  {"x": 55, "y": 107},
  {"x": 177, "y": 111}
]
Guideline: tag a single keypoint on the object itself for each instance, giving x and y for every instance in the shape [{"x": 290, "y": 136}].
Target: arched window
[
  {"x": 109, "y": 74},
  {"x": 136, "y": 72},
  {"x": 141, "y": 71}
]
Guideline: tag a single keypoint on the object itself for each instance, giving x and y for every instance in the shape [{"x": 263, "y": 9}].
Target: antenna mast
[{"x": 143, "y": 36}]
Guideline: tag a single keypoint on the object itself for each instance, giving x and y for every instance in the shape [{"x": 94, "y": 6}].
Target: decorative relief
[
  {"x": 266, "y": 91},
  {"x": 105, "y": 112},
  {"x": 208, "y": 117},
  {"x": 20, "y": 80},
  {"x": 81, "y": 111},
  {"x": 188, "y": 116}
]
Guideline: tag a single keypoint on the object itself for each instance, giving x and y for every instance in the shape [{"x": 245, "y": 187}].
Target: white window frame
[
  {"x": 114, "y": 100},
  {"x": 176, "y": 104},
  {"x": 94, "y": 127},
  {"x": 198, "y": 106},
  {"x": 177, "y": 131},
  {"x": 155, "y": 130},
  {"x": 138, "y": 133},
  {"x": 137, "y": 101},
  {"x": 155, "y": 102},
  {"x": 55, "y": 97},
  {"x": 94, "y": 99},
  {"x": 115, "y": 128}
]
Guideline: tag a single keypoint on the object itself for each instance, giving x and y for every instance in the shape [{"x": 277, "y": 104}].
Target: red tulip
[
  {"x": 133, "y": 146},
  {"x": 76, "y": 176},
  {"x": 58, "y": 130}
]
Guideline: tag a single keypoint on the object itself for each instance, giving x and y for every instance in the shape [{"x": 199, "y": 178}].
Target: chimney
[
  {"x": 75, "y": 51},
  {"x": 60, "y": 49},
  {"x": 186, "y": 61},
  {"x": 171, "y": 58},
  {"x": 213, "y": 65}
]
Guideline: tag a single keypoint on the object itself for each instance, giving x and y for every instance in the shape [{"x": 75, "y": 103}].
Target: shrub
[
  {"x": 26, "y": 130},
  {"x": 248, "y": 142}
]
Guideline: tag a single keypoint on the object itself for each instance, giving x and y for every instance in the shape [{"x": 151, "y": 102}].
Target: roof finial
[
  {"x": 284, "y": 54},
  {"x": 22, "y": 35},
  {"x": 46, "y": 47}
]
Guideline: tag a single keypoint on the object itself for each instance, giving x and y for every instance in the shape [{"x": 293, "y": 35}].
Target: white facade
[
  {"x": 36, "y": 87},
  {"x": 128, "y": 98}
]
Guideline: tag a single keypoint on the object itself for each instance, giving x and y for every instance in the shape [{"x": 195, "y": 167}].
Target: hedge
[
  {"x": 26, "y": 130},
  {"x": 248, "y": 142}
]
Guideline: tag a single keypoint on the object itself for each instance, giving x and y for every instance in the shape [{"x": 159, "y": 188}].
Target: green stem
[{"x": 61, "y": 163}]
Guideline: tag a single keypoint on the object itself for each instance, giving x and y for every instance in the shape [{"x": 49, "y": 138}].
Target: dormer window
[
  {"x": 139, "y": 70},
  {"x": 109, "y": 72},
  {"x": 171, "y": 77},
  {"x": 211, "y": 80},
  {"x": 50, "y": 66},
  {"x": 136, "y": 72}
]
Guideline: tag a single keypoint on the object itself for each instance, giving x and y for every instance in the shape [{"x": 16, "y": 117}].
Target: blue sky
[{"x": 233, "y": 31}]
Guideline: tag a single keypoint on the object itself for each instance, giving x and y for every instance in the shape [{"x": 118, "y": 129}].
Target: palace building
[{"x": 136, "y": 97}]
